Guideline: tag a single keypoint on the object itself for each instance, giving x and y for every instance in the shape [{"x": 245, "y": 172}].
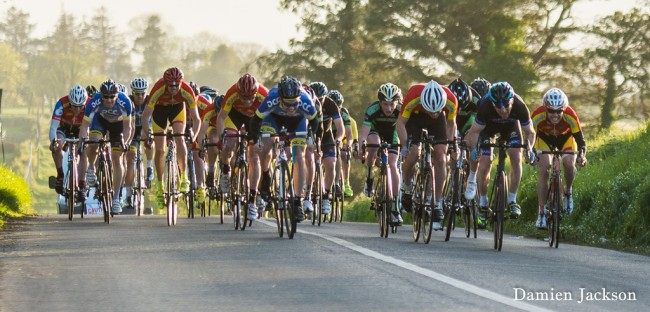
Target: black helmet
[
  {"x": 289, "y": 87},
  {"x": 336, "y": 96},
  {"x": 500, "y": 93},
  {"x": 91, "y": 90},
  {"x": 481, "y": 86},
  {"x": 320, "y": 89},
  {"x": 108, "y": 87},
  {"x": 462, "y": 91}
]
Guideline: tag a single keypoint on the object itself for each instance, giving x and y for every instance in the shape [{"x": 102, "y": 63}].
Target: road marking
[{"x": 422, "y": 271}]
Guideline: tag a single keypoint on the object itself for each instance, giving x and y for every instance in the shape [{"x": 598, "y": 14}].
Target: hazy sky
[{"x": 259, "y": 21}]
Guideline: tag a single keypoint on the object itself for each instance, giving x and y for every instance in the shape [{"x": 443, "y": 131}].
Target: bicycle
[
  {"x": 317, "y": 187},
  {"x": 213, "y": 192},
  {"x": 499, "y": 191},
  {"x": 71, "y": 191},
  {"x": 338, "y": 198},
  {"x": 104, "y": 184},
  {"x": 172, "y": 177},
  {"x": 282, "y": 191},
  {"x": 140, "y": 185},
  {"x": 423, "y": 192},
  {"x": 239, "y": 186},
  {"x": 554, "y": 199},
  {"x": 454, "y": 198},
  {"x": 191, "y": 176},
  {"x": 382, "y": 200}
]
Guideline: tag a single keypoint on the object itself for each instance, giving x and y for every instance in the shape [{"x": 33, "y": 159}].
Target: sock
[
  {"x": 346, "y": 181},
  {"x": 483, "y": 200},
  {"x": 472, "y": 176},
  {"x": 82, "y": 184},
  {"x": 129, "y": 191},
  {"x": 150, "y": 163},
  {"x": 512, "y": 197}
]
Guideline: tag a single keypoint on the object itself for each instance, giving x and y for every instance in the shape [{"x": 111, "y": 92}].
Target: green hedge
[{"x": 15, "y": 198}]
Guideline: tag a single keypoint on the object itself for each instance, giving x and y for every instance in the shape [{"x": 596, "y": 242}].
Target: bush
[{"x": 15, "y": 199}]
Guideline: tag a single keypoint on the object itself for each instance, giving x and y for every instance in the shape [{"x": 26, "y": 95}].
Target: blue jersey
[
  {"x": 138, "y": 110},
  {"x": 121, "y": 110},
  {"x": 272, "y": 104}
]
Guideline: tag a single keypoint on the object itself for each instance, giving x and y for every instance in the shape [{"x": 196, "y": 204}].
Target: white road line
[{"x": 422, "y": 271}]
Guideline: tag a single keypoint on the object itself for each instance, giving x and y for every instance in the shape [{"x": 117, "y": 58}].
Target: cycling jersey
[
  {"x": 382, "y": 124},
  {"x": 206, "y": 107},
  {"x": 465, "y": 116},
  {"x": 121, "y": 110},
  {"x": 232, "y": 100},
  {"x": 63, "y": 117},
  {"x": 138, "y": 110},
  {"x": 274, "y": 108},
  {"x": 568, "y": 126},
  {"x": 487, "y": 115},
  {"x": 412, "y": 104},
  {"x": 160, "y": 97},
  {"x": 330, "y": 113}
]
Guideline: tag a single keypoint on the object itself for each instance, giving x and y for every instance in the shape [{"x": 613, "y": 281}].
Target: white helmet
[
  {"x": 556, "y": 99},
  {"x": 433, "y": 97},
  {"x": 139, "y": 84},
  {"x": 78, "y": 96}
]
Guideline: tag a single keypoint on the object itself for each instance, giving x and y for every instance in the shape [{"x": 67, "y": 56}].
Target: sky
[{"x": 256, "y": 21}]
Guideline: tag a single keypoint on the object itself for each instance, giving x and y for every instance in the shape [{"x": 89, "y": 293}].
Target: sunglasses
[
  {"x": 554, "y": 112},
  {"x": 500, "y": 104},
  {"x": 138, "y": 93},
  {"x": 108, "y": 97}
]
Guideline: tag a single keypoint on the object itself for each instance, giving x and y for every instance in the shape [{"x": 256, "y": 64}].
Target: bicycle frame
[
  {"x": 104, "y": 185},
  {"x": 239, "y": 185},
  {"x": 383, "y": 197}
]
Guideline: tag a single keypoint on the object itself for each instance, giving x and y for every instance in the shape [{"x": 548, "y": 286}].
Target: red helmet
[
  {"x": 173, "y": 76},
  {"x": 247, "y": 86}
]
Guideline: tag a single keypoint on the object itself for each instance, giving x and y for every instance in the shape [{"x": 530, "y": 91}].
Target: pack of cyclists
[{"x": 472, "y": 113}]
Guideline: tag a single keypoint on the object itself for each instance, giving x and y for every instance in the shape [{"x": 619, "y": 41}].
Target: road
[{"x": 48, "y": 263}]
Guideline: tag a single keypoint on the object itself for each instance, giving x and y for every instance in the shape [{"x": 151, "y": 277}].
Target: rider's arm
[
  {"x": 400, "y": 127},
  {"x": 340, "y": 129},
  {"x": 221, "y": 122}
]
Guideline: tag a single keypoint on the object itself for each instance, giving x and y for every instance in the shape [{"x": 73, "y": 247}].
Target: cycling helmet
[
  {"x": 121, "y": 88},
  {"x": 481, "y": 86},
  {"x": 289, "y": 87},
  {"x": 310, "y": 92},
  {"x": 389, "y": 92},
  {"x": 433, "y": 97},
  {"x": 462, "y": 91},
  {"x": 500, "y": 93},
  {"x": 77, "y": 96},
  {"x": 336, "y": 96},
  {"x": 555, "y": 99},
  {"x": 139, "y": 84},
  {"x": 194, "y": 87},
  {"x": 91, "y": 90},
  {"x": 218, "y": 100},
  {"x": 320, "y": 89},
  {"x": 173, "y": 76},
  {"x": 209, "y": 98},
  {"x": 247, "y": 86},
  {"x": 108, "y": 87},
  {"x": 209, "y": 91}
]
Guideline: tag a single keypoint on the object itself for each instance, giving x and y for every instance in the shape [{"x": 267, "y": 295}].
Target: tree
[
  {"x": 153, "y": 45},
  {"x": 624, "y": 56},
  {"x": 112, "y": 58},
  {"x": 17, "y": 31},
  {"x": 12, "y": 75}
]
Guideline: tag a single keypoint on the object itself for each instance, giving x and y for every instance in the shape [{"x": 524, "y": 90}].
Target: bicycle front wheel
[
  {"x": 500, "y": 208},
  {"x": 70, "y": 192},
  {"x": 290, "y": 212},
  {"x": 455, "y": 191},
  {"x": 555, "y": 205},
  {"x": 242, "y": 190}
]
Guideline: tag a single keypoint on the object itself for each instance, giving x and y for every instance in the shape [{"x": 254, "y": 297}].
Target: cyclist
[
  {"x": 378, "y": 126},
  {"x": 329, "y": 139},
  {"x": 290, "y": 106},
  {"x": 91, "y": 90},
  {"x": 316, "y": 94},
  {"x": 467, "y": 99},
  {"x": 349, "y": 138},
  {"x": 139, "y": 98},
  {"x": 107, "y": 111},
  {"x": 204, "y": 105},
  {"x": 239, "y": 105},
  {"x": 66, "y": 119},
  {"x": 208, "y": 131},
  {"x": 481, "y": 86},
  {"x": 501, "y": 111},
  {"x": 433, "y": 107},
  {"x": 556, "y": 125},
  {"x": 165, "y": 107}
]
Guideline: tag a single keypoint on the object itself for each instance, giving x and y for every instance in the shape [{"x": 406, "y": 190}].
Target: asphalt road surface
[{"x": 48, "y": 263}]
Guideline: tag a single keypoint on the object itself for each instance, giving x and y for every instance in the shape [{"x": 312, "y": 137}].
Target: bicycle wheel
[
  {"x": 317, "y": 196},
  {"x": 277, "y": 200},
  {"x": 455, "y": 203},
  {"x": 290, "y": 212},
  {"x": 189, "y": 196},
  {"x": 243, "y": 190},
  {"x": 553, "y": 215},
  {"x": 102, "y": 190},
  {"x": 383, "y": 208},
  {"x": 427, "y": 225},
  {"x": 70, "y": 192},
  {"x": 500, "y": 207},
  {"x": 138, "y": 189},
  {"x": 235, "y": 204},
  {"x": 169, "y": 194},
  {"x": 417, "y": 205}
]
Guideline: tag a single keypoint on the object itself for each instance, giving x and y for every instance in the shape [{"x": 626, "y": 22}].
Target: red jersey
[
  {"x": 412, "y": 104},
  {"x": 232, "y": 100},
  {"x": 63, "y": 112},
  {"x": 568, "y": 124},
  {"x": 160, "y": 96}
]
